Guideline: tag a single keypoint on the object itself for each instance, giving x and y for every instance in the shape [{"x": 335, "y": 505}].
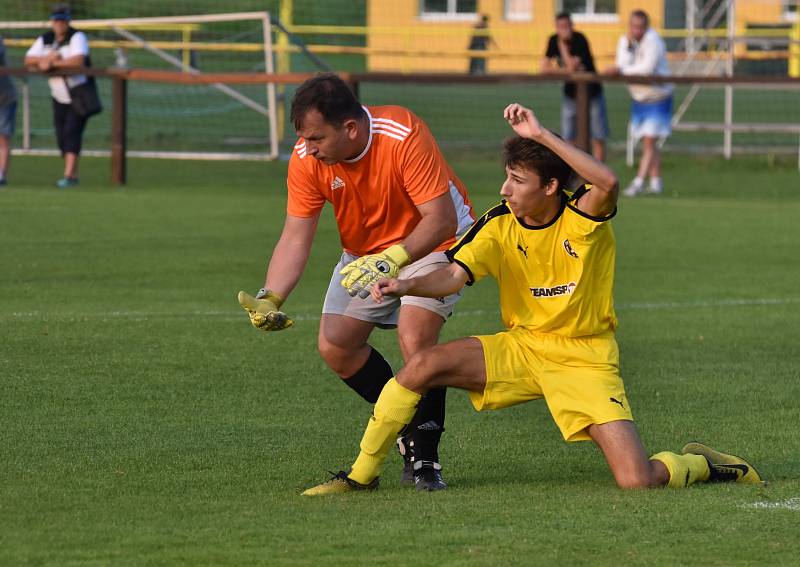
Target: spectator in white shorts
[
  {"x": 8, "y": 115},
  {"x": 642, "y": 52}
]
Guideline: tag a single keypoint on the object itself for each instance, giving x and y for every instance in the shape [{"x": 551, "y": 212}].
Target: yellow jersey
[{"x": 557, "y": 278}]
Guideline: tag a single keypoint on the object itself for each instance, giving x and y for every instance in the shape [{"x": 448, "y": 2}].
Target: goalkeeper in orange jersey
[
  {"x": 552, "y": 253},
  {"x": 398, "y": 207}
]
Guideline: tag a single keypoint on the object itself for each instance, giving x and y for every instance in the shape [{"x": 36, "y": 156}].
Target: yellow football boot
[
  {"x": 724, "y": 467},
  {"x": 338, "y": 484}
]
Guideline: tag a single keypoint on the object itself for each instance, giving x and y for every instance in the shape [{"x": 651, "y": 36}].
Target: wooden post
[
  {"x": 582, "y": 113},
  {"x": 119, "y": 127}
]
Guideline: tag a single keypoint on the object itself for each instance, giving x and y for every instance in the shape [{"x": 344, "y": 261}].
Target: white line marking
[
  {"x": 788, "y": 504},
  {"x": 234, "y": 312},
  {"x": 711, "y": 303}
]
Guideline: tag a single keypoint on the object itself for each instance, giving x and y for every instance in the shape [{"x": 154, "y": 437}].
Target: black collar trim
[{"x": 549, "y": 223}]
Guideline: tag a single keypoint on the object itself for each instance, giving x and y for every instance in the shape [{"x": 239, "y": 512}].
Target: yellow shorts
[{"x": 577, "y": 377}]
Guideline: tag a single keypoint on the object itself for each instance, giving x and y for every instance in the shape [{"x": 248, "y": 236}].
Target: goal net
[{"x": 215, "y": 121}]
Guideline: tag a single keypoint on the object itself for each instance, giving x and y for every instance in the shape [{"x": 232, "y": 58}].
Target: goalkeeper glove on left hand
[
  {"x": 264, "y": 310},
  {"x": 361, "y": 274}
]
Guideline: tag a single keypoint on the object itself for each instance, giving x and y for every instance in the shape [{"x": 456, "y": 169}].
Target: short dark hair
[
  {"x": 564, "y": 16},
  {"x": 330, "y": 96},
  {"x": 643, "y": 15},
  {"x": 537, "y": 158}
]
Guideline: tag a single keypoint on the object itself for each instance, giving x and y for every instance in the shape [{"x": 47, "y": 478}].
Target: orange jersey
[{"x": 375, "y": 195}]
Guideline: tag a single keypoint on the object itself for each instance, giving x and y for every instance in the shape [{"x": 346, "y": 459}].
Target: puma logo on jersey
[
  {"x": 568, "y": 248},
  {"x": 337, "y": 183},
  {"x": 523, "y": 250}
]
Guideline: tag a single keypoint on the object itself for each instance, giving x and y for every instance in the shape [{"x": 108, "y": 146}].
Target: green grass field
[{"x": 146, "y": 422}]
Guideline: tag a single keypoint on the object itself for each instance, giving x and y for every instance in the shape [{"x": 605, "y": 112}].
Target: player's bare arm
[
  {"x": 439, "y": 283},
  {"x": 291, "y": 253},
  {"x": 285, "y": 268},
  {"x": 438, "y": 223},
  {"x": 602, "y": 199}
]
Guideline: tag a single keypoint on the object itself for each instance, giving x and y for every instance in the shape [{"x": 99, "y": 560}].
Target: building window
[
  {"x": 465, "y": 10},
  {"x": 590, "y": 10},
  {"x": 791, "y": 10},
  {"x": 519, "y": 10}
]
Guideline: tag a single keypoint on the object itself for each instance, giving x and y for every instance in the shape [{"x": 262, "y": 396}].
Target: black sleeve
[
  {"x": 581, "y": 49},
  {"x": 552, "y": 48}
]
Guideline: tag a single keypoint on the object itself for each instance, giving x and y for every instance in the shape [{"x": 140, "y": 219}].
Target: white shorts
[{"x": 386, "y": 314}]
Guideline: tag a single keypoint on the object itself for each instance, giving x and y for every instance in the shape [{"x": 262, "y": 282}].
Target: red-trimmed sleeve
[{"x": 305, "y": 200}]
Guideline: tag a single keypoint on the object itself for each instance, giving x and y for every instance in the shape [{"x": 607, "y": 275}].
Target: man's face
[
  {"x": 636, "y": 28},
  {"x": 524, "y": 191},
  {"x": 326, "y": 142},
  {"x": 564, "y": 29},
  {"x": 59, "y": 26}
]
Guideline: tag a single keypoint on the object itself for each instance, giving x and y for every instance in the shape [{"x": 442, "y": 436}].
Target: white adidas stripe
[
  {"x": 402, "y": 127},
  {"x": 389, "y": 128},
  {"x": 390, "y": 134},
  {"x": 300, "y": 145}
]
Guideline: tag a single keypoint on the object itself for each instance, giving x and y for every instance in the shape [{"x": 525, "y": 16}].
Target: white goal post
[{"x": 126, "y": 29}]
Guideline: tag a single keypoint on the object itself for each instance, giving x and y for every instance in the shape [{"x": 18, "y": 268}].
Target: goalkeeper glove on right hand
[
  {"x": 264, "y": 310},
  {"x": 362, "y": 273}
]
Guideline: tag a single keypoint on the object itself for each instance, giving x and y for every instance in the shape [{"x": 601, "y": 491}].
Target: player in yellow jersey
[{"x": 552, "y": 254}]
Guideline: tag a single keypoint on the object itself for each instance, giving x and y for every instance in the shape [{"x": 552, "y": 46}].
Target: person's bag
[{"x": 85, "y": 98}]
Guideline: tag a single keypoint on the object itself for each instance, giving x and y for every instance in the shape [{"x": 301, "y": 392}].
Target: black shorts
[{"x": 69, "y": 128}]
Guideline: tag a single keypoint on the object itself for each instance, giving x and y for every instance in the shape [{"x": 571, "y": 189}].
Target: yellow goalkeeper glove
[
  {"x": 264, "y": 310},
  {"x": 361, "y": 274}
]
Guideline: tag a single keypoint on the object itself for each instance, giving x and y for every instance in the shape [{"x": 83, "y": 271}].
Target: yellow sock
[
  {"x": 393, "y": 411},
  {"x": 683, "y": 469}
]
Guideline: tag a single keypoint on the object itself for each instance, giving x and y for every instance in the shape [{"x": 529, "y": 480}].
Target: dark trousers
[
  {"x": 477, "y": 66},
  {"x": 69, "y": 128}
]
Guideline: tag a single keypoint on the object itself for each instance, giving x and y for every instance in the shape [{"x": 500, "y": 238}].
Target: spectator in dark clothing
[
  {"x": 479, "y": 42},
  {"x": 8, "y": 114},
  {"x": 63, "y": 48},
  {"x": 568, "y": 51}
]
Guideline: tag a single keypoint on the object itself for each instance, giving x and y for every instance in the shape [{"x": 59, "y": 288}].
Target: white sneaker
[
  {"x": 633, "y": 189},
  {"x": 656, "y": 186}
]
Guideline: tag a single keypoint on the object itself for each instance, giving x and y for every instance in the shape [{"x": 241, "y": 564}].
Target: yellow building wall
[
  {"x": 757, "y": 12},
  {"x": 396, "y": 27}
]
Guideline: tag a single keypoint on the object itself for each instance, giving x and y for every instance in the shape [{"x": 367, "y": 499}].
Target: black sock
[
  {"x": 370, "y": 380},
  {"x": 428, "y": 425}
]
